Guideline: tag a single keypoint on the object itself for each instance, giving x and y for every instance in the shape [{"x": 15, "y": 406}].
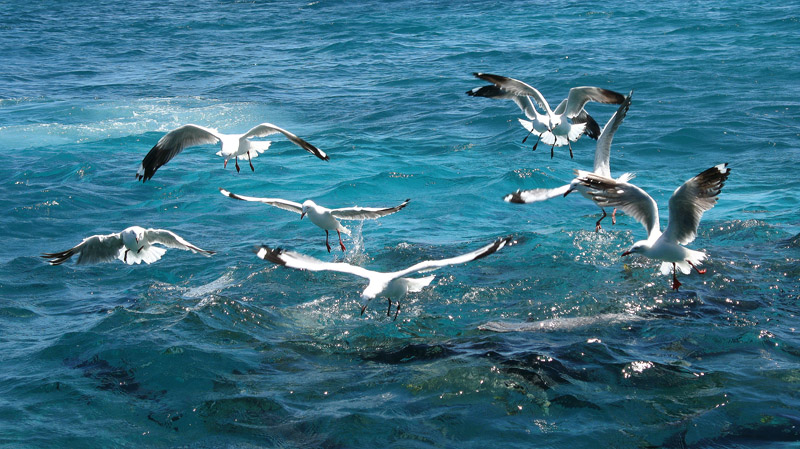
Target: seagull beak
[
  {"x": 363, "y": 309},
  {"x": 570, "y": 190},
  {"x": 626, "y": 253},
  {"x": 302, "y": 215}
]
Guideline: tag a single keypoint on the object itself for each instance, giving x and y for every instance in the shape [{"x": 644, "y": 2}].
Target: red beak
[
  {"x": 626, "y": 253},
  {"x": 302, "y": 215}
]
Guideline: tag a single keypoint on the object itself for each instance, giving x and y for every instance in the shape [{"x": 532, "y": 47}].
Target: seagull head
[
  {"x": 307, "y": 204},
  {"x": 637, "y": 248}
]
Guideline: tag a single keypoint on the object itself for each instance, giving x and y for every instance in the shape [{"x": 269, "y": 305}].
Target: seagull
[
  {"x": 686, "y": 207},
  {"x": 602, "y": 156},
  {"x": 321, "y": 216},
  {"x": 556, "y": 128},
  {"x": 393, "y": 285},
  {"x": 233, "y": 146},
  {"x": 133, "y": 245}
]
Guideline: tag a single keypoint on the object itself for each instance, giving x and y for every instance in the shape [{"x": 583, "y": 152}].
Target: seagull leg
[
  {"x": 570, "y": 149},
  {"x": 528, "y": 135},
  {"x": 225, "y": 164},
  {"x": 597, "y": 226},
  {"x": 340, "y": 241},
  {"x": 237, "y": 164},
  {"x": 326, "y": 241},
  {"x": 614, "y": 216},
  {"x": 389, "y": 309},
  {"x": 396, "y": 311},
  {"x": 140, "y": 249},
  {"x": 537, "y": 143},
  {"x": 251, "y": 162},
  {"x": 125, "y": 256},
  {"x": 703, "y": 271},
  {"x": 363, "y": 308},
  {"x": 551, "y": 149},
  {"x": 675, "y": 282}
]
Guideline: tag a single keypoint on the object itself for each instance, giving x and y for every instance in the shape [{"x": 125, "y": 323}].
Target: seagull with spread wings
[
  {"x": 233, "y": 146},
  {"x": 686, "y": 207},
  {"x": 557, "y": 127},
  {"x": 133, "y": 245},
  {"x": 602, "y": 157},
  {"x": 393, "y": 285},
  {"x": 327, "y": 219}
]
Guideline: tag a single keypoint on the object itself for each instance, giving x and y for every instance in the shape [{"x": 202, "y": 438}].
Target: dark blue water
[{"x": 230, "y": 351}]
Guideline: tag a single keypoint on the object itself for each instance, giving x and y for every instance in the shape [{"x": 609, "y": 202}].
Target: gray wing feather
[
  {"x": 366, "y": 213},
  {"x": 173, "y": 143},
  {"x": 266, "y": 129},
  {"x": 695, "y": 196},
  {"x": 94, "y": 249},
  {"x": 607, "y": 192},
  {"x": 172, "y": 240},
  {"x": 602, "y": 153},
  {"x": 291, "y": 206}
]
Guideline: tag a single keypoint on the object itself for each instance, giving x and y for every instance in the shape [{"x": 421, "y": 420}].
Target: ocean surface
[{"x": 556, "y": 342}]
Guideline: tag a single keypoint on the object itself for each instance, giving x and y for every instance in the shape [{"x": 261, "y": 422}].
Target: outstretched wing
[
  {"x": 579, "y": 96},
  {"x": 277, "y": 202},
  {"x": 607, "y": 192},
  {"x": 173, "y": 143},
  {"x": 602, "y": 152},
  {"x": 535, "y": 195},
  {"x": 266, "y": 129},
  {"x": 366, "y": 213},
  {"x": 515, "y": 87},
  {"x": 173, "y": 240},
  {"x": 94, "y": 249},
  {"x": 299, "y": 261},
  {"x": 695, "y": 196},
  {"x": 491, "y": 91},
  {"x": 474, "y": 255}
]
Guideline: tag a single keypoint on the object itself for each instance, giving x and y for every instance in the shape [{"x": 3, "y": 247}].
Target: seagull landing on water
[
  {"x": 686, "y": 207},
  {"x": 556, "y": 127},
  {"x": 327, "y": 219},
  {"x": 133, "y": 245},
  {"x": 393, "y": 286},
  {"x": 602, "y": 157},
  {"x": 234, "y": 146}
]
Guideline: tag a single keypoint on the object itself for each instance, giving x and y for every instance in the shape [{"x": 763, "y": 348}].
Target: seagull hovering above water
[
  {"x": 686, "y": 207},
  {"x": 557, "y": 127},
  {"x": 602, "y": 156},
  {"x": 327, "y": 219},
  {"x": 133, "y": 245},
  {"x": 393, "y": 285},
  {"x": 234, "y": 146}
]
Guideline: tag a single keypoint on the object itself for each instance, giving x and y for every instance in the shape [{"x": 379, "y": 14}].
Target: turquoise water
[{"x": 229, "y": 351}]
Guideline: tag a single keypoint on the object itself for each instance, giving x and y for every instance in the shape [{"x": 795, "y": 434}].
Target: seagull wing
[
  {"x": 429, "y": 265},
  {"x": 266, "y": 129},
  {"x": 515, "y": 87},
  {"x": 173, "y": 240},
  {"x": 628, "y": 197},
  {"x": 366, "y": 213},
  {"x": 687, "y": 204},
  {"x": 579, "y": 96},
  {"x": 602, "y": 153},
  {"x": 491, "y": 91},
  {"x": 535, "y": 195},
  {"x": 94, "y": 249},
  {"x": 173, "y": 143},
  {"x": 299, "y": 261},
  {"x": 277, "y": 202}
]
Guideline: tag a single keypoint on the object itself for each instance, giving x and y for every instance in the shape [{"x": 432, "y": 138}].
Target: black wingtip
[
  {"x": 515, "y": 197},
  {"x": 269, "y": 254}
]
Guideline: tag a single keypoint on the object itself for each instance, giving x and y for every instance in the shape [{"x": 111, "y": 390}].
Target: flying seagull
[
  {"x": 557, "y": 127},
  {"x": 133, "y": 245},
  {"x": 602, "y": 156},
  {"x": 327, "y": 219},
  {"x": 686, "y": 207},
  {"x": 393, "y": 285},
  {"x": 234, "y": 146}
]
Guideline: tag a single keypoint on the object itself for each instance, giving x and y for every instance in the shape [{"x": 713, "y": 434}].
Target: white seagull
[
  {"x": 327, "y": 219},
  {"x": 556, "y": 127},
  {"x": 602, "y": 156},
  {"x": 686, "y": 207},
  {"x": 234, "y": 146},
  {"x": 393, "y": 285},
  {"x": 133, "y": 245}
]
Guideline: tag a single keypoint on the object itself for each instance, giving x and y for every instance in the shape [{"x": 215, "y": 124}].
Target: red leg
[
  {"x": 251, "y": 162},
  {"x": 340, "y": 241},
  {"x": 675, "y": 282},
  {"x": 614, "y": 216},
  {"x": 597, "y": 226},
  {"x": 237, "y": 164},
  {"x": 326, "y": 241},
  {"x": 363, "y": 308},
  {"x": 703, "y": 271},
  {"x": 225, "y": 165}
]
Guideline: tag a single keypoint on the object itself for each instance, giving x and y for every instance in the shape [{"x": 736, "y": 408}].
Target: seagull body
[
  {"x": 602, "y": 167},
  {"x": 686, "y": 207},
  {"x": 556, "y": 127},
  {"x": 233, "y": 146},
  {"x": 393, "y": 285},
  {"x": 327, "y": 219},
  {"x": 133, "y": 245}
]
